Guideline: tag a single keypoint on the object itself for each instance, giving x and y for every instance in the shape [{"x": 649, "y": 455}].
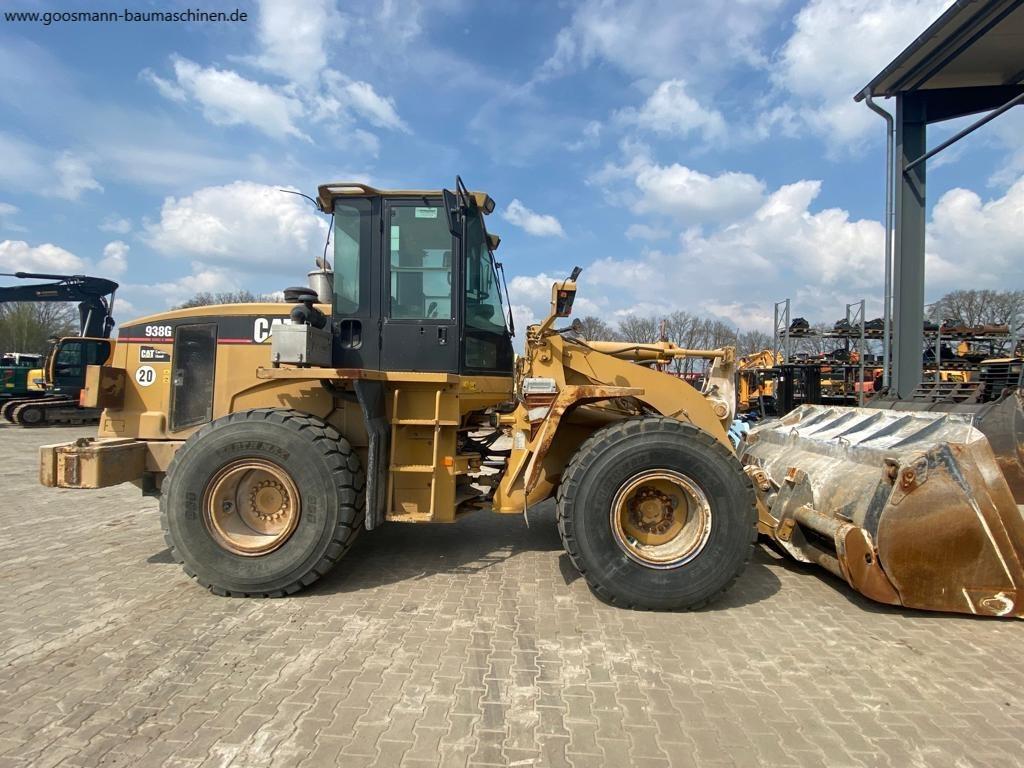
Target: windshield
[{"x": 484, "y": 307}]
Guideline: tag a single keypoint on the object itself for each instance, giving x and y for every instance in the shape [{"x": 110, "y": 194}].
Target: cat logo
[{"x": 262, "y": 327}]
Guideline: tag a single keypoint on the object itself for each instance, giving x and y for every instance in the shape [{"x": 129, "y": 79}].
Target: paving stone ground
[{"x": 472, "y": 644}]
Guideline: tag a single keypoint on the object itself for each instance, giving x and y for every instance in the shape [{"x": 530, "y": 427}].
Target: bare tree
[
  {"x": 814, "y": 344},
  {"x": 720, "y": 334},
  {"x": 206, "y": 298},
  {"x": 27, "y": 326},
  {"x": 679, "y": 329},
  {"x": 596, "y": 329},
  {"x": 977, "y": 307},
  {"x": 639, "y": 330},
  {"x": 749, "y": 342}
]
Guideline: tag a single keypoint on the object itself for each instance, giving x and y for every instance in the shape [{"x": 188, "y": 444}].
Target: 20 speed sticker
[{"x": 145, "y": 375}]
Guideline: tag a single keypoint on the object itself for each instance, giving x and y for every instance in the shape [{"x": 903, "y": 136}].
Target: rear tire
[
  {"x": 298, "y": 462},
  {"x": 663, "y": 481}
]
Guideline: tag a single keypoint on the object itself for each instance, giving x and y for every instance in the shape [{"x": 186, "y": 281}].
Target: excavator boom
[{"x": 95, "y": 297}]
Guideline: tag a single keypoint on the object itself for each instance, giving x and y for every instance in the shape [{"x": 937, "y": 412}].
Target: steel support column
[{"x": 908, "y": 273}]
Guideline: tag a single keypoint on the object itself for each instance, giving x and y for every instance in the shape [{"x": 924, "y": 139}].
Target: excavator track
[
  {"x": 9, "y": 406},
  {"x": 53, "y": 411}
]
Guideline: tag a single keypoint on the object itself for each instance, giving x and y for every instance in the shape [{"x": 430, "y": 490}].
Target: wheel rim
[
  {"x": 251, "y": 507},
  {"x": 661, "y": 519}
]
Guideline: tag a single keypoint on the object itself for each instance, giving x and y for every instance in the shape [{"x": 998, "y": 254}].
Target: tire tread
[
  {"x": 592, "y": 447},
  {"x": 334, "y": 448}
]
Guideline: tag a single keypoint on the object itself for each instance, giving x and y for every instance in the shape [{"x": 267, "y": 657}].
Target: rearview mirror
[{"x": 451, "y": 210}]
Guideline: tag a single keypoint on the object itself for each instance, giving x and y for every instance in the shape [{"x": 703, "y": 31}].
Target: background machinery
[
  {"x": 63, "y": 373},
  {"x": 17, "y": 371},
  {"x": 755, "y": 384}
]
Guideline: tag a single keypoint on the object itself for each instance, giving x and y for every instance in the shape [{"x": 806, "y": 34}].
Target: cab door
[
  {"x": 193, "y": 375},
  {"x": 420, "y": 324},
  {"x": 357, "y": 281}
]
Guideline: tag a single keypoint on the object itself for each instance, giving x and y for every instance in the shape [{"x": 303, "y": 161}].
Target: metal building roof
[{"x": 973, "y": 43}]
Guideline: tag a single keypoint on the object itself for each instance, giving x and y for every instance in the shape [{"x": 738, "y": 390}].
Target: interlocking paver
[{"x": 473, "y": 644}]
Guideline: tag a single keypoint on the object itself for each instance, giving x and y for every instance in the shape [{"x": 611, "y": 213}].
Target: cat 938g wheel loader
[{"x": 389, "y": 391}]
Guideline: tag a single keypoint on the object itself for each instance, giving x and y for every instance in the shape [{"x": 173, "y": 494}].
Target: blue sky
[{"x": 689, "y": 155}]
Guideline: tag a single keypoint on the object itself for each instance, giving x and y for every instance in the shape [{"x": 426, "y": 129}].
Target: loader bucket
[
  {"x": 1002, "y": 422},
  {"x": 911, "y": 508}
]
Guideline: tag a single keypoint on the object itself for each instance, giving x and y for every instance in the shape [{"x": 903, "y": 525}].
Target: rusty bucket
[{"x": 911, "y": 508}]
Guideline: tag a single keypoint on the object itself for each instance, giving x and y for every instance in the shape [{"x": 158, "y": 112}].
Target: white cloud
[
  {"x": 785, "y": 247},
  {"x": 227, "y": 98},
  {"x": 179, "y": 167},
  {"x": 74, "y": 176},
  {"x": 22, "y": 165},
  {"x": 28, "y": 167},
  {"x": 663, "y": 38},
  {"x": 538, "y": 224},
  {"x": 166, "y": 88},
  {"x": 960, "y": 221},
  {"x": 379, "y": 110},
  {"x": 345, "y": 97},
  {"x": 688, "y": 194},
  {"x": 115, "y": 259},
  {"x": 1005, "y": 134},
  {"x": 672, "y": 111},
  {"x": 292, "y": 37},
  {"x": 676, "y": 190},
  {"x": 590, "y": 137},
  {"x": 160, "y": 296},
  {"x": 17, "y": 255},
  {"x": 646, "y": 232},
  {"x": 7, "y": 214},
  {"x": 115, "y": 224},
  {"x": 240, "y": 224},
  {"x": 835, "y": 49}
]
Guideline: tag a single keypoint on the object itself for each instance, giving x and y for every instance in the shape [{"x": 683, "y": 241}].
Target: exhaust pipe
[{"x": 321, "y": 280}]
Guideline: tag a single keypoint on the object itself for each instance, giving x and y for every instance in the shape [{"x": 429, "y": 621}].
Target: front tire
[
  {"x": 657, "y": 514},
  {"x": 262, "y": 503}
]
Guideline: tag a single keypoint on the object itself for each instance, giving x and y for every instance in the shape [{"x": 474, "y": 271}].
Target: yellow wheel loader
[{"x": 388, "y": 391}]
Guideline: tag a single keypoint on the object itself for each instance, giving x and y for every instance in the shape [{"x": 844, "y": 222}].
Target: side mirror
[{"x": 451, "y": 211}]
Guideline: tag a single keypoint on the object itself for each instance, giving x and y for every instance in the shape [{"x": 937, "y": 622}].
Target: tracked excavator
[
  {"x": 68, "y": 358},
  {"x": 389, "y": 393}
]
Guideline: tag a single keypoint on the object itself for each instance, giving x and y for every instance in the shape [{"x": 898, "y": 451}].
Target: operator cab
[
  {"x": 416, "y": 285},
  {"x": 68, "y": 359}
]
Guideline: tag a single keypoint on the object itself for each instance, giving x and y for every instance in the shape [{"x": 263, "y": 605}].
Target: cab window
[
  {"x": 420, "y": 247},
  {"x": 487, "y": 343},
  {"x": 483, "y": 298},
  {"x": 352, "y": 245}
]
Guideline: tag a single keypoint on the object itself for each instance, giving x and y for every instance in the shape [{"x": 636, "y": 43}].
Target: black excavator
[{"x": 66, "y": 362}]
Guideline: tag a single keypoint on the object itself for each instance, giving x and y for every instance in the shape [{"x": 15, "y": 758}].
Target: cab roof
[{"x": 328, "y": 193}]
